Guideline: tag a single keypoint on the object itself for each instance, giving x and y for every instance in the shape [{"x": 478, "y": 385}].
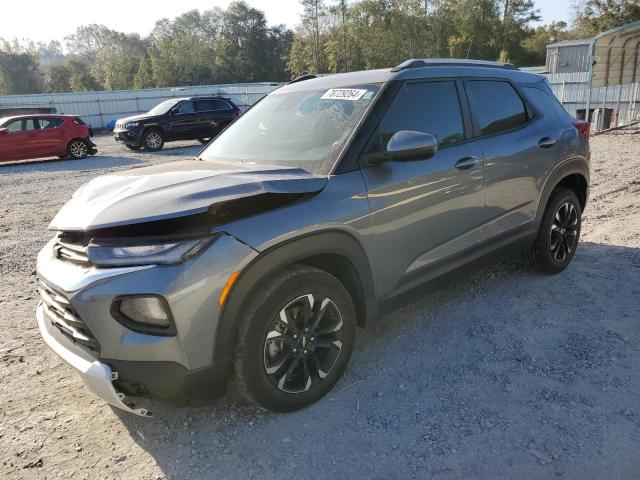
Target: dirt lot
[{"x": 506, "y": 374}]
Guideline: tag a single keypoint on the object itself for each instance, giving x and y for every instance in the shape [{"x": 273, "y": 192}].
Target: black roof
[{"x": 202, "y": 97}]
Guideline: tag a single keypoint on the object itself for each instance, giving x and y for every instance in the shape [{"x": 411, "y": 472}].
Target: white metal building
[{"x": 569, "y": 56}]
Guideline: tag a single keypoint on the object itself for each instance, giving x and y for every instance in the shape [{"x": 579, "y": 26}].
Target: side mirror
[
  {"x": 407, "y": 144},
  {"x": 4, "y": 131},
  {"x": 175, "y": 111}
]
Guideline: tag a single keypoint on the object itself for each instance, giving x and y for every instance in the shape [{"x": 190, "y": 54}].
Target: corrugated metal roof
[
  {"x": 570, "y": 43},
  {"x": 615, "y": 55}
]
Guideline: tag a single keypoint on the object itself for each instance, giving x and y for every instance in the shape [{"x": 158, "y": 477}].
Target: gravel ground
[{"x": 506, "y": 374}]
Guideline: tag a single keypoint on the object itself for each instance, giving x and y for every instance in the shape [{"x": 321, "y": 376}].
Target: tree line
[{"x": 237, "y": 44}]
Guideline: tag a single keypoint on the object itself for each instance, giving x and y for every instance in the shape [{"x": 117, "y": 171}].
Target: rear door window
[
  {"x": 47, "y": 123},
  {"x": 496, "y": 106},
  {"x": 428, "y": 107},
  {"x": 212, "y": 105}
]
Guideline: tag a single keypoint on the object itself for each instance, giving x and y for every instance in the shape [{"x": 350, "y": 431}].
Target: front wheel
[
  {"x": 77, "y": 149},
  {"x": 295, "y": 340},
  {"x": 559, "y": 233},
  {"x": 153, "y": 140}
]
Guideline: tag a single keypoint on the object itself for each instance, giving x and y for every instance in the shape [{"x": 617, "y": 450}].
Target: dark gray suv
[{"x": 257, "y": 260}]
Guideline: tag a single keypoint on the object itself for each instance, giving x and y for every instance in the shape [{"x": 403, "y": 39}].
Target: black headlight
[{"x": 166, "y": 252}]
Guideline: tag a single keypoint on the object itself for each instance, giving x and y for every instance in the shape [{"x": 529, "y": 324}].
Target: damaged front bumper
[
  {"x": 76, "y": 320},
  {"x": 96, "y": 375}
]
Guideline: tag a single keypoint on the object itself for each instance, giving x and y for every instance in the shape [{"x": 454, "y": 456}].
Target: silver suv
[{"x": 257, "y": 260}]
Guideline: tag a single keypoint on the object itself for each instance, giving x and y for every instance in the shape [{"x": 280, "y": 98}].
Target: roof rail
[
  {"x": 450, "y": 62},
  {"x": 302, "y": 78}
]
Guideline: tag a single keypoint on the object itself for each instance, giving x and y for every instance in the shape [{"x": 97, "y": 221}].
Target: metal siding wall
[
  {"x": 572, "y": 91},
  {"x": 576, "y": 58},
  {"x": 97, "y": 108}
]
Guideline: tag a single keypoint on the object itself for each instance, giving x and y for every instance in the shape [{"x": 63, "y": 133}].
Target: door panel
[
  {"x": 515, "y": 167},
  {"x": 21, "y": 141},
  {"x": 519, "y": 153},
  {"x": 50, "y": 137},
  {"x": 424, "y": 210},
  {"x": 216, "y": 115},
  {"x": 183, "y": 124}
]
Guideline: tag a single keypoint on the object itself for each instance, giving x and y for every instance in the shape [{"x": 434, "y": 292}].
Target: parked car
[
  {"x": 38, "y": 136},
  {"x": 257, "y": 260},
  {"x": 193, "y": 118}
]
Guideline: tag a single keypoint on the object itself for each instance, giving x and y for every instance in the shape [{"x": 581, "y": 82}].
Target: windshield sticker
[{"x": 351, "y": 94}]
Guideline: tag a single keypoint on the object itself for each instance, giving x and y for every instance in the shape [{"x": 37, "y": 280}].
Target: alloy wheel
[
  {"x": 153, "y": 140},
  {"x": 78, "y": 149},
  {"x": 303, "y": 343},
  {"x": 564, "y": 232}
]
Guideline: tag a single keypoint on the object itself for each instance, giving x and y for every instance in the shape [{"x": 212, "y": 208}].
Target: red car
[{"x": 36, "y": 136}]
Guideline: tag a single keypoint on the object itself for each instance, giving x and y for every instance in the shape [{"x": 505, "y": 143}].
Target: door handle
[
  {"x": 546, "y": 142},
  {"x": 466, "y": 163}
]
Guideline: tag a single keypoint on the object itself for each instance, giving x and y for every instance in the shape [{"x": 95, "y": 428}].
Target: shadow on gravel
[
  {"x": 97, "y": 162},
  {"x": 504, "y": 374},
  {"x": 185, "y": 150}
]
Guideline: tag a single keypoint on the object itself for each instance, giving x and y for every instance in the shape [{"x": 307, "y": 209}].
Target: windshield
[
  {"x": 163, "y": 107},
  {"x": 304, "y": 129}
]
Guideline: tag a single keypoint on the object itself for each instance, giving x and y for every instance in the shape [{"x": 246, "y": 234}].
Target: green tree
[
  {"x": 81, "y": 79},
  {"x": 144, "y": 75},
  {"x": 181, "y": 51},
  {"x": 475, "y": 34},
  {"x": 535, "y": 44},
  {"x": 595, "y": 16},
  {"x": 516, "y": 16},
  {"x": 18, "y": 69},
  {"x": 314, "y": 11},
  {"x": 56, "y": 77},
  {"x": 118, "y": 61}
]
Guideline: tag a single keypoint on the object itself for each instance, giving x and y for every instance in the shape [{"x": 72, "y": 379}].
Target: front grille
[
  {"x": 61, "y": 314},
  {"x": 71, "y": 250}
]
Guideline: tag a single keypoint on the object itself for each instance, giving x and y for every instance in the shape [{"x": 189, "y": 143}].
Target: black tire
[
  {"x": 559, "y": 233},
  {"x": 204, "y": 141},
  {"x": 313, "y": 368},
  {"x": 132, "y": 147},
  {"x": 153, "y": 140},
  {"x": 77, "y": 149}
]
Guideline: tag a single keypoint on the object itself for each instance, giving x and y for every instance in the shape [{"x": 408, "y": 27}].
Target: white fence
[
  {"x": 98, "y": 108},
  {"x": 572, "y": 90}
]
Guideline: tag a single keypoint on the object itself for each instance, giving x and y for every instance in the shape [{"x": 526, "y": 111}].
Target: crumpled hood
[{"x": 174, "y": 190}]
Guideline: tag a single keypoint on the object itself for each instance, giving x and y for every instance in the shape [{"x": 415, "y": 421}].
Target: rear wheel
[
  {"x": 77, "y": 149},
  {"x": 295, "y": 340},
  {"x": 559, "y": 233},
  {"x": 153, "y": 140}
]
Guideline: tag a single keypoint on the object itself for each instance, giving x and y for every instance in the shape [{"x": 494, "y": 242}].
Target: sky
[{"x": 45, "y": 20}]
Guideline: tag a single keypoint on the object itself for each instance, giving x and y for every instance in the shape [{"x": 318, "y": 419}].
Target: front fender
[{"x": 279, "y": 256}]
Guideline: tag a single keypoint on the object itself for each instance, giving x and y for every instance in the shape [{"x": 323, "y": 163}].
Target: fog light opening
[{"x": 144, "y": 314}]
